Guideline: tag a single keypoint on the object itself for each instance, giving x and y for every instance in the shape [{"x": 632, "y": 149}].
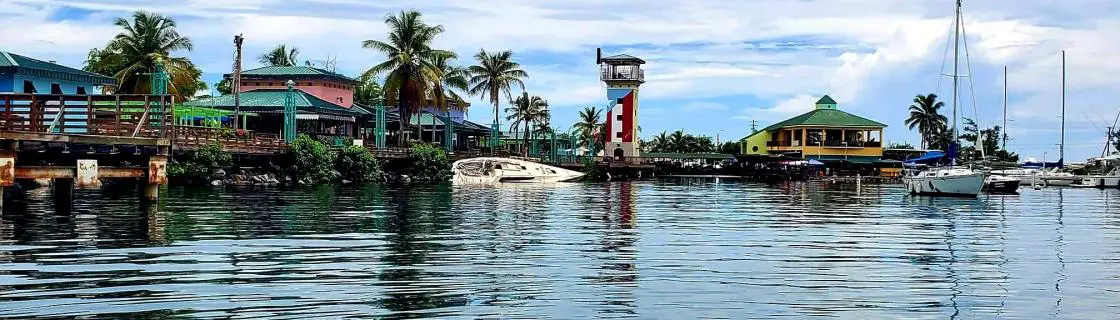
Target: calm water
[{"x": 669, "y": 250}]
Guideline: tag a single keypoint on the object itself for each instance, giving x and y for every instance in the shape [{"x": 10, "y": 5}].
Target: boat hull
[
  {"x": 509, "y": 170},
  {"x": 1002, "y": 186},
  {"x": 1101, "y": 182},
  {"x": 966, "y": 185}
]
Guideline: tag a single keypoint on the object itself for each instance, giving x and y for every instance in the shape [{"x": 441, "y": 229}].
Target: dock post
[
  {"x": 157, "y": 175},
  {"x": 63, "y": 195},
  {"x": 88, "y": 175},
  {"x": 7, "y": 172}
]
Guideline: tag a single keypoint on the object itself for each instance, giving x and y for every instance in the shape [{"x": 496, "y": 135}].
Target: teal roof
[
  {"x": 426, "y": 119},
  {"x": 11, "y": 63},
  {"x": 293, "y": 73},
  {"x": 826, "y": 100},
  {"x": 827, "y": 118},
  {"x": 272, "y": 101},
  {"x": 688, "y": 155}
]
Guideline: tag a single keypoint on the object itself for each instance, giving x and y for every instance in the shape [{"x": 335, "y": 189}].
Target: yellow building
[{"x": 824, "y": 134}]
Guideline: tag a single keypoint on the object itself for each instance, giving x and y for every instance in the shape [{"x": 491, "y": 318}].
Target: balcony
[
  {"x": 634, "y": 75},
  {"x": 783, "y": 145}
]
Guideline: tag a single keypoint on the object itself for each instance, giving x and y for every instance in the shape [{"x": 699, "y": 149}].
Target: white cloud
[{"x": 704, "y": 106}]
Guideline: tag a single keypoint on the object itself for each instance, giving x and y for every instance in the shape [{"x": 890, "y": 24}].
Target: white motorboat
[
  {"x": 1110, "y": 181},
  {"x": 495, "y": 169},
  {"x": 946, "y": 181}
]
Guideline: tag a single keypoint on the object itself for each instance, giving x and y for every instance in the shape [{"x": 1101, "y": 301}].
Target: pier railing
[
  {"x": 240, "y": 141},
  {"x": 144, "y": 116}
]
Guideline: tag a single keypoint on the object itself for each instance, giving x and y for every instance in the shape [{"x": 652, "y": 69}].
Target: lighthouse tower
[{"x": 623, "y": 75}]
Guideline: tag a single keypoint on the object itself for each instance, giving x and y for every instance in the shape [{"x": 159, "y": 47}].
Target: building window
[
  {"x": 308, "y": 84},
  {"x": 56, "y": 88},
  {"x": 244, "y": 83},
  {"x": 81, "y": 90},
  {"x": 257, "y": 84},
  {"x": 618, "y": 117},
  {"x": 28, "y": 87},
  {"x": 618, "y": 134},
  {"x": 270, "y": 84}
]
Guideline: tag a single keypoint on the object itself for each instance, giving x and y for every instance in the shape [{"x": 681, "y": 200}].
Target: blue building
[{"x": 22, "y": 74}]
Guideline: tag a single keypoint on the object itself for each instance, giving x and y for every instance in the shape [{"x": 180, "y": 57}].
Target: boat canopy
[{"x": 929, "y": 157}]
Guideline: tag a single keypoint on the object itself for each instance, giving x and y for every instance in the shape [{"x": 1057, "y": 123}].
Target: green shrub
[
  {"x": 310, "y": 160},
  {"x": 428, "y": 162},
  {"x": 357, "y": 164},
  {"x": 591, "y": 172},
  {"x": 198, "y": 165}
]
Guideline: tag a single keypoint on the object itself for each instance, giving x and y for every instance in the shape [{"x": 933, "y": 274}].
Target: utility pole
[
  {"x": 236, "y": 85},
  {"x": 754, "y": 126}
]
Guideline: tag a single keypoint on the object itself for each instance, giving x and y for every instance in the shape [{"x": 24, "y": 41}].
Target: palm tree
[
  {"x": 925, "y": 117},
  {"x": 524, "y": 111},
  {"x": 588, "y": 126},
  {"x": 659, "y": 142},
  {"x": 280, "y": 56},
  {"x": 410, "y": 66},
  {"x": 450, "y": 77},
  {"x": 494, "y": 75},
  {"x": 143, "y": 43}
]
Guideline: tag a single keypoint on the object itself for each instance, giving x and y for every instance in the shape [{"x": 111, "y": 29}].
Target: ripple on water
[{"x": 670, "y": 249}]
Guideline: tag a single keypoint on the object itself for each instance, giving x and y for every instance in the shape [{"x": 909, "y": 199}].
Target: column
[{"x": 87, "y": 175}]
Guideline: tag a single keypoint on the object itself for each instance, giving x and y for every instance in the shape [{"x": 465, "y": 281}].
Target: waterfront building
[
  {"x": 22, "y": 74},
  {"x": 623, "y": 75},
  {"x": 826, "y": 134}
]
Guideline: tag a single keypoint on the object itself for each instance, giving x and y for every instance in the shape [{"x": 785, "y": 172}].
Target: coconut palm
[
  {"x": 144, "y": 42},
  {"x": 449, "y": 77},
  {"x": 588, "y": 126},
  {"x": 280, "y": 56},
  {"x": 494, "y": 75},
  {"x": 523, "y": 111},
  {"x": 409, "y": 67},
  {"x": 659, "y": 142},
  {"x": 925, "y": 116}
]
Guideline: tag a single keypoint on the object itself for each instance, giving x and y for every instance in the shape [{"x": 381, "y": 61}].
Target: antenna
[{"x": 754, "y": 126}]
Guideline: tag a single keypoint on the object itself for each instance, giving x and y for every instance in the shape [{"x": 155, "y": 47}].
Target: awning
[{"x": 932, "y": 156}]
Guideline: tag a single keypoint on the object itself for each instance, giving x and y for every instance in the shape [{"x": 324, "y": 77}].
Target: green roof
[
  {"x": 827, "y": 118},
  {"x": 826, "y": 100},
  {"x": 272, "y": 101},
  {"x": 293, "y": 73},
  {"x": 11, "y": 63}
]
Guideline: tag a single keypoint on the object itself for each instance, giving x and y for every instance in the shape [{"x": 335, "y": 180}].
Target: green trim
[{"x": 826, "y": 100}]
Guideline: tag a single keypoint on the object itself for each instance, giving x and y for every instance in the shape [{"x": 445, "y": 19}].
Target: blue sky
[{"x": 713, "y": 66}]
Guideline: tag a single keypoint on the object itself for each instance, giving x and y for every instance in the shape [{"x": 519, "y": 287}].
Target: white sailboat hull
[
  {"x": 951, "y": 184},
  {"x": 508, "y": 170}
]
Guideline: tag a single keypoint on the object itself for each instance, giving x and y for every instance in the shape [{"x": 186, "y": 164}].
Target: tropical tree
[
  {"x": 449, "y": 77},
  {"x": 494, "y": 75},
  {"x": 925, "y": 116},
  {"x": 224, "y": 86},
  {"x": 280, "y": 56},
  {"x": 588, "y": 126},
  {"x": 524, "y": 111},
  {"x": 368, "y": 91},
  {"x": 730, "y": 147},
  {"x": 147, "y": 41},
  {"x": 410, "y": 68}
]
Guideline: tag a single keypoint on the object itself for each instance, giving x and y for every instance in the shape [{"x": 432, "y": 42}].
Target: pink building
[{"x": 328, "y": 86}]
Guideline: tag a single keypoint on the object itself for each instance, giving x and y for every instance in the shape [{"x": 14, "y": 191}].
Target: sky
[{"x": 713, "y": 66}]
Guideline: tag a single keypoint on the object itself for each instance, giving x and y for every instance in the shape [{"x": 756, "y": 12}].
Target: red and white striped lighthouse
[{"x": 623, "y": 75}]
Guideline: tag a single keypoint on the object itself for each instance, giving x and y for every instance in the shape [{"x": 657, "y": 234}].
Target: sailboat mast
[
  {"x": 956, "y": 77},
  {"x": 1062, "y": 147},
  {"x": 1004, "y": 147}
]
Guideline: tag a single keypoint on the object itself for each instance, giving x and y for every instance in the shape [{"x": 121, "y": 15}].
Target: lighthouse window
[
  {"x": 618, "y": 134},
  {"x": 618, "y": 117}
]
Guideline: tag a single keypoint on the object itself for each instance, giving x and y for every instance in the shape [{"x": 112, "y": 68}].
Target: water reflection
[{"x": 698, "y": 248}]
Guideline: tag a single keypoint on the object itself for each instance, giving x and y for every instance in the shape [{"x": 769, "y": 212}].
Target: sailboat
[
  {"x": 1000, "y": 183},
  {"x": 952, "y": 180}
]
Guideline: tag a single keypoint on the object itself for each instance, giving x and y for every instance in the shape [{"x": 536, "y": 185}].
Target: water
[{"x": 668, "y": 250}]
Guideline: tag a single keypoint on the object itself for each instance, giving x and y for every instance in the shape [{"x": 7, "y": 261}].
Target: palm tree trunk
[{"x": 525, "y": 141}]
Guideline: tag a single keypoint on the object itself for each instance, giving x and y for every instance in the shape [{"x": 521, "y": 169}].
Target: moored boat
[
  {"x": 496, "y": 169},
  {"x": 946, "y": 182},
  {"x": 1001, "y": 184}
]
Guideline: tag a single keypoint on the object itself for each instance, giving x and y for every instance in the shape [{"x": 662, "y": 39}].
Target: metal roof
[
  {"x": 272, "y": 101},
  {"x": 293, "y": 73},
  {"x": 11, "y": 63}
]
